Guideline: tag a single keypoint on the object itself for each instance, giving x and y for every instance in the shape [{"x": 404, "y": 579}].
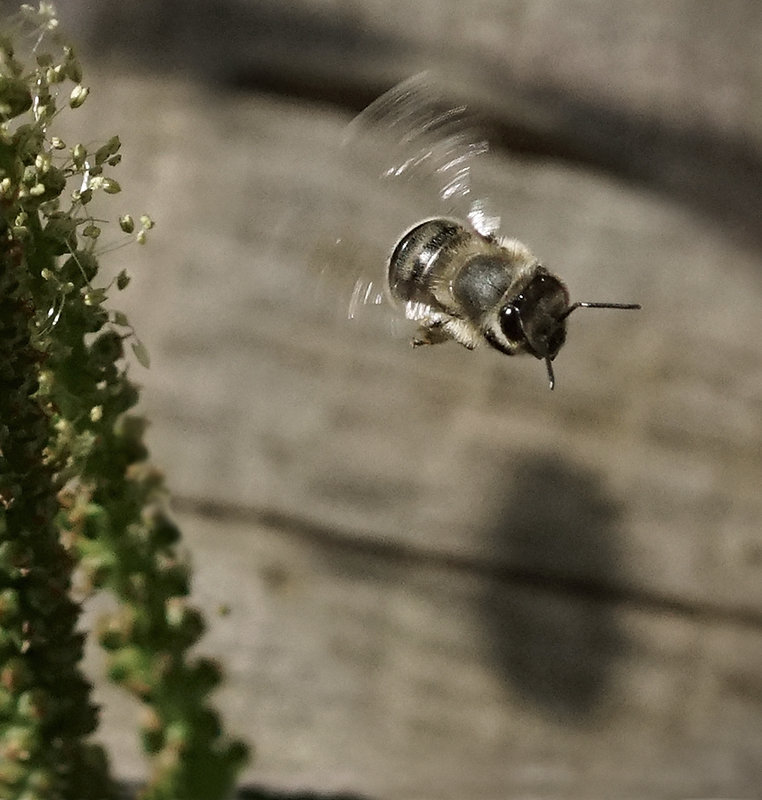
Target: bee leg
[
  {"x": 431, "y": 333},
  {"x": 442, "y": 330},
  {"x": 462, "y": 332}
]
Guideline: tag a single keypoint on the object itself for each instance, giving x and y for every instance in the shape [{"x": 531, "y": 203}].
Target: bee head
[{"x": 535, "y": 319}]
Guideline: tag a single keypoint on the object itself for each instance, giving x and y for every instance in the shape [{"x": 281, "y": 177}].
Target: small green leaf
[
  {"x": 110, "y": 186},
  {"x": 141, "y": 353},
  {"x": 91, "y": 231},
  {"x": 15, "y": 97},
  {"x": 60, "y": 228},
  {"x": 122, "y": 279},
  {"x": 83, "y": 197},
  {"x": 107, "y": 150},
  {"x": 95, "y": 297}
]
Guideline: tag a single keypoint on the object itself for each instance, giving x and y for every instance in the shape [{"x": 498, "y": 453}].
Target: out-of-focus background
[{"x": 445, "y": 581}]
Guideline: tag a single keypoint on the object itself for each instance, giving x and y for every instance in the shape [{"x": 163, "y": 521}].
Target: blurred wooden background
[{"x": 445, "y": 581}]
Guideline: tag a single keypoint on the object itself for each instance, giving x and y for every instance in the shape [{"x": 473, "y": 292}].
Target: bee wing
[
  {"x": 415, "y": 135},
  {"x": 416, "y": 149}
]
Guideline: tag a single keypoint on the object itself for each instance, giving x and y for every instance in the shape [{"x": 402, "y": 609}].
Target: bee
[{"x": 452, "y": 273}]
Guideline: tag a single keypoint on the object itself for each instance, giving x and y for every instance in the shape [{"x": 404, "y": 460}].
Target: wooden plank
[
  {"x": 261, "y": 399},
  {"x": 389, "y": 676},
  {"x": 446, "y": 581}
]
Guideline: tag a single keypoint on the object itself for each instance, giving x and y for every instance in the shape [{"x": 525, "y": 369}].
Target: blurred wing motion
[
  {"x": 431, "y": 247},
  {"x": 414, "y": 133},
  {"x": 416, "y": 150}
]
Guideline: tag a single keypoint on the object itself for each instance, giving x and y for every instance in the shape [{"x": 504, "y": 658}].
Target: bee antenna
[
  {"x": 574, "y": 306},
  {"x": 551, "y": 377}
]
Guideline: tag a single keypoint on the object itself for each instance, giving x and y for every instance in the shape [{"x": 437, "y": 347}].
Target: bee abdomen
[{"x": 420, "y": 255}]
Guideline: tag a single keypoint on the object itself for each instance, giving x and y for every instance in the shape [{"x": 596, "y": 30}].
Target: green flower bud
[
  {"x": 127, "y": 224},
  {"x": 78, "y": 96},
  {"x": 34, "y": 704}
]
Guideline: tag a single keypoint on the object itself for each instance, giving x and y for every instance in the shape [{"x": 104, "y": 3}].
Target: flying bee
[
  {"x": 459, "y": 284},
  {"x": 452, "y": 273}
]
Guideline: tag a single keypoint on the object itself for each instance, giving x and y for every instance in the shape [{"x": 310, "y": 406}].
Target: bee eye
[{"x": 510, "y": 323}]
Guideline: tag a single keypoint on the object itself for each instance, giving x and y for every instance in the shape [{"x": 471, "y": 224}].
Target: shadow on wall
[
  {"x": 551, "y": 619},
  {"x": 284, "y": 45},
  {"x": 129, "y": 791}
]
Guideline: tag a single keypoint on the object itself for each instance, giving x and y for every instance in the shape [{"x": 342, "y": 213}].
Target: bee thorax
[{"x": 480, "y": 283}]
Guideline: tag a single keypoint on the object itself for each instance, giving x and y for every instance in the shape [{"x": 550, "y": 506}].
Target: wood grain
[{"x": 447, "y": 582}]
